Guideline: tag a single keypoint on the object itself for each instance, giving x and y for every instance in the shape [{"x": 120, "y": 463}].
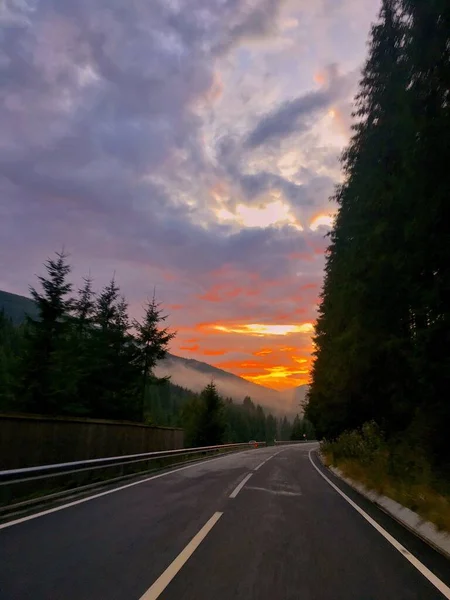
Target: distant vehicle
[{"x": 253, "y": 443}]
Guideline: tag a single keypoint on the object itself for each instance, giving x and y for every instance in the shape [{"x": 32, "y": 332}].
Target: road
[{"x": 284, "y": 534}]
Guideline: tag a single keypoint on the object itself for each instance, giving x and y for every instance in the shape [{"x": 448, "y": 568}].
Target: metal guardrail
[
  {"x": 19, "y": 487},
  {"x": 280, "y": 443}
]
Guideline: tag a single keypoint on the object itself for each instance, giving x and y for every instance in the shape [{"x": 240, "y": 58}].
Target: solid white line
[
  {"x": 122, "y": 487},
  {"x": 163, "y": 580},
  {"x": 238, "y": 488},
  {"x": 438, "y": 584}
]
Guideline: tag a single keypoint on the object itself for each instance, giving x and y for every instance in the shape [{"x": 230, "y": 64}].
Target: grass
[{"x": 398, "y": 472}]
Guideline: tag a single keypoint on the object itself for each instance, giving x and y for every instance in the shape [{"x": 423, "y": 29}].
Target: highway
[{"x": 262, "y": 524}]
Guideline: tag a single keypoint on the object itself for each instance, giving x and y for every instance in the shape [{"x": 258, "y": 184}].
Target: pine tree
[
  {"x": 101, "y": 378},
  {"x": 297, "y": 429},
  {"x": 428, "y": 57},
  {"x": 152, "y": 341},
  {"x": 83, "y": 349},
  {"x": 362, "y": 367},
  {"x": 11, "y": 342},
  {"x": 48, "y": 381},
  {"x": 84, "y": 307},
  {"x": 271, "y": 428},
  {"x": 211, "y": 426}
]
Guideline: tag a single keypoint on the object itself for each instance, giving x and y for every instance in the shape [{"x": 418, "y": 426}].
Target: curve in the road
[{"x": 438, "y": 584}]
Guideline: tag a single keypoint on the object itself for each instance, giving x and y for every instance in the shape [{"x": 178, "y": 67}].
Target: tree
[
  {"x": 285, "y": 430},
  {"x": 11, "y": 346},
  {"x": 83, "y": 350},
  {"x": 384, "y": 321},
  {"x": 297, "y": 429},
  {"x": 362, "y": 367},
  {"x": 47, "y": 380},
  {"x": 152, "y": 341},
  {"x": 428, "y": 59},
  {"x": 211, "y": 426},
  {"x": 271, "y": 428}
]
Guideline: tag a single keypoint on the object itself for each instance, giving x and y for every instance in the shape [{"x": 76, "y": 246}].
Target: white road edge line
[
  {"x": 438, "y": 584},
  {"x": 239, "y": 487},
  {"x": 122, "y": 487},
  {"x": 165, "y": 578}
]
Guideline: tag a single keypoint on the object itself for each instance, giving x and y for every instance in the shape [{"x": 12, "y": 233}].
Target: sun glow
[
  {"x": 272, "y": 213},
  {"x": 262, "y": 330},
  {"x": 279, "y": 377},
  {"x": 321, "y": 220}
]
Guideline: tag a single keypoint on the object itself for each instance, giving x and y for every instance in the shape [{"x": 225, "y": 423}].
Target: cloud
[
  {"x": 261, "y": 329},
  {"x": 295, "y": 115},
  {"x": 127, "y": 128}
]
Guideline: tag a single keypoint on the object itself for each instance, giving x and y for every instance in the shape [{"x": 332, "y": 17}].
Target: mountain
[
  {"x": 195, "y": 374},
  {"x": 189, "y": 373},
  {"x": 17, "y": 307}
]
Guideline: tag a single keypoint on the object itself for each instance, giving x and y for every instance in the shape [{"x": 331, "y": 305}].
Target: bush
[
  {"x": 364, "y": 445},
  {"x": 395, "y": 468}
]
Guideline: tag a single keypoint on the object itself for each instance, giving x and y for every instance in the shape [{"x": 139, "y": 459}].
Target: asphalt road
[{"x": 285, "y": 534}]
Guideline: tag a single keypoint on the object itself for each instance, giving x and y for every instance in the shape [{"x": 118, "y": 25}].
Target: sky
[{"x": 188, "y": 147}]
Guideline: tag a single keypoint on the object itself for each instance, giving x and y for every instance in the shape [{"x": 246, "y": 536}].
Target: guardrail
[
  {"x": 280, "y": 443},
  {"x": 22, "y": 488}
]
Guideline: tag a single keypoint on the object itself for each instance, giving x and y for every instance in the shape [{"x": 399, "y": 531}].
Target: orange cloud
[
  {"x": 214, "y": 352},
  {"x": 219, "y": 293},
  {"x": 300, "y": 256},
  {"x": 309, "y": 286},
  {"x": 280, "y": 377},
  {"x": 259, "y": 329},
  {"x": 262, "y": 352},
  {"x": 190, "y": 348},
  {"x": 319, "y": 78}
]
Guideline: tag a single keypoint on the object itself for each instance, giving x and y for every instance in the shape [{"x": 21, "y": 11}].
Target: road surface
[{"x": 261, "y": 524}]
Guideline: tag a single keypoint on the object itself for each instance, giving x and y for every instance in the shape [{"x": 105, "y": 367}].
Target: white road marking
[
  {"x": 264, "y": 461},
  {"x": 122, "y": 487},
  {"x": 163, "y": 580},
  {"x": 275, "y": 492},
  {"x": 438, "y": 584},
  {"x": 239, "y": 487}
]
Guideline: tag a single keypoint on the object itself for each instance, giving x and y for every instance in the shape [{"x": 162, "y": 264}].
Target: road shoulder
[{"x": 427, "y": 531}]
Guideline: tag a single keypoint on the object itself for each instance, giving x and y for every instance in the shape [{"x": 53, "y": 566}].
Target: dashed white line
[
  {"x": 165, "y": 578},
  {"x": 239, "y": 487},
  {"x": 438, "y": 584},
  {"x": 268, "y": 458},
  {"x": 261, "y": 464}
]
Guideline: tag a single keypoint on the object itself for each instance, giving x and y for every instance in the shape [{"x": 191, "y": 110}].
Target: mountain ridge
[{"x": 189, "y": 372}]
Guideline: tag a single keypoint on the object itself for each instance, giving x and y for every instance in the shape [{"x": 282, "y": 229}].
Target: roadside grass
[{"x": 399, "y": 472}]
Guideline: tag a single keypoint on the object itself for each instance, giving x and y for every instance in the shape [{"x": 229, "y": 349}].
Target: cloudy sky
[{"x": 188, "y": 145}]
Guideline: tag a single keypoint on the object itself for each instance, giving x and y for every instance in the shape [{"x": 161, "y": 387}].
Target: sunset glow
[
  {"x": 266, "y": 330},
  {"x": 189, "y": 149},
  {"x": 272, "y": 213},
  {"x": 326, "y": 220}
]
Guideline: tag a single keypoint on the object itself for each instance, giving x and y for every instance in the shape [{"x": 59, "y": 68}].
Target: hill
[
  {"x": 195, "y": 374},
  {"x": 17, "y": 307},
  {"x": 189, "y": 373}
]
